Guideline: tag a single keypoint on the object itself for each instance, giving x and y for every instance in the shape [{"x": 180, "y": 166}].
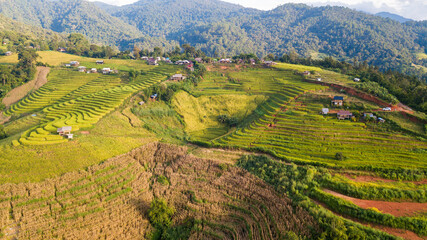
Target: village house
[
  {"x": 182, "y": 62},
  {"x": 381, "y": 120},
  {"x": 252, "y": 61},
  {"x": 225, "y": 60},
  {"x": 61, "y": 49},
  {"x": 269, "y": 63},
  {"x": 319, "y": 79},
  {"x": 74, "y": 63},
  {"x": 93, "y": 70},
  {"x": 306, "y": 73},
  {"x": 64, "y": 130},
  {"x": 68, "y": 65},
  {"x": 369, "y": 115},
  {"x": 152, "y": 61},
  {"x": 177, "y": 77},
  {"x": 99, "y": 61},
  {"x": 342, "y": 115},
  {"x": 8, "y": 53},
  {"x": 325, "y": 111},
  {"x": 154, "y": 97},
  {"x": 144, "y": 58},
  {"x": 106, "y": 71},
  {"x": 82, "y": 69},
  {"x": 338, "y": 101},
  {"x": 356, "y": 79}
]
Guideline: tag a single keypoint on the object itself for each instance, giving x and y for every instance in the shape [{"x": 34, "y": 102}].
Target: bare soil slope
[{"x": 111, "y": 200}]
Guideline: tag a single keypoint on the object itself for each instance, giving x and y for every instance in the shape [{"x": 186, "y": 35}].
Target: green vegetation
[{"x": 300, "y": 182}]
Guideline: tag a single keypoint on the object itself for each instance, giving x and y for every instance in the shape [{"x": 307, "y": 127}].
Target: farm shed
[
  {"x": 306, "y": 73},
  {"x": 100, "y": 62},
  {"x": 93, "y": 70},
  {"x": 338, "y": 101},
  {"x": 64, "y": 130},
  {"x": 177, "y": 77},
  {"x": 356, "y": 79},
  {"x": 344, "y": 115}
]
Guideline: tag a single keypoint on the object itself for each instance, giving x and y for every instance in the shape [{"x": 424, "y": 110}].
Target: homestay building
[
  {"x": 152, "y": 61},
  {"x": 64, "y": 130},
  {"x": 177, "y": 77},
  {"x": 74, "y": 63},
  {"x": 82, "y": 69},
  {"x": 342, "y": 115},
  {"x": 99, "y": 62},
  {"x": 106, "y": 71},
  {"x": 337, "y": 101},
  {"x": 269, "y": 63}
]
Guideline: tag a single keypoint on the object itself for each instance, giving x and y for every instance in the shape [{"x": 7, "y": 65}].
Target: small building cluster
[{"x": 225, "y": 60}]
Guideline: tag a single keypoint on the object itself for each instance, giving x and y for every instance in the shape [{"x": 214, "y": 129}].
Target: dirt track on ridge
[
  {"x": 18, "y": 93},
  {"x": 398, "y": 209}
]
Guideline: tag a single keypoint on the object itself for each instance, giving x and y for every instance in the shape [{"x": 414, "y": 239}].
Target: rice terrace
[{"x": 144, "y": 136}]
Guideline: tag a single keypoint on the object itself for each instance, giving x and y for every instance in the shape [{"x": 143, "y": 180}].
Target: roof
[
  {"x": 339, "y": 98},
  {"x": 106, "y": 69},
  {"x": 63, "y": 129},
  {"x": 177, "y": 76},
  {"x": 154, "y": 95},
  {"x": 325, "y": 109},
  {"x": 81, "y": 67},
  {"x": 341, "y": 112}
]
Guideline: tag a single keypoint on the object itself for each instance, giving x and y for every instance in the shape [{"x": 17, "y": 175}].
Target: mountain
[
  {"x": 70, "y": 16},
  {"x": 393, "y": 16},
  {"x": 18, "y": 28},
  {"x": 160, "y": 17}
]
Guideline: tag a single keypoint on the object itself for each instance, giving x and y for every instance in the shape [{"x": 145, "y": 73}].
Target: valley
[{"x": 243, "y": 153}]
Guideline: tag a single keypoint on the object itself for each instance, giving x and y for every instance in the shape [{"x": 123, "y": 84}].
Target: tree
[
  {"x": 2, "y": 132},
  {"x": 160, "y": 213},
  {"x": 136, "y": 51},
  {"x": 26, "y": 57},
  {"x": 340, "y": 156}
]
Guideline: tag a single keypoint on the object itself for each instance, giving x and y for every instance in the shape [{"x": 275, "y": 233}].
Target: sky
[{"x": 413, "y": 9}]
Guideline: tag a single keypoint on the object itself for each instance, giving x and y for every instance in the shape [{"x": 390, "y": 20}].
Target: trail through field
[
  {"x": 398, "y": 209},
  {"x": 18, "y": 93}
]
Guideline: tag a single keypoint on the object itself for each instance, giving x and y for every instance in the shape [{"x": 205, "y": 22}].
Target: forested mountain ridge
[
  {"x": 224, "y": 29},
  {"x": 70, "y": 16},
  {"x": 159, "y": 18}
]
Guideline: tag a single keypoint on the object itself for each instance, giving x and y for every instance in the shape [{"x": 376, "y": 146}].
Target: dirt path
[
  {"x": 18, "y": 93},
  {"x": 398, "y": 209}
]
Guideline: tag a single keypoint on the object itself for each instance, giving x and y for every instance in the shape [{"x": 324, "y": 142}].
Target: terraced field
[
  {"x": 78, "y": 100},
  {"x": 111, "y": 201}
]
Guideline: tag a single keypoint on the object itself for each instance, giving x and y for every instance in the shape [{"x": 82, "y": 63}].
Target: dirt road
[{"x": 18, "y": 93}]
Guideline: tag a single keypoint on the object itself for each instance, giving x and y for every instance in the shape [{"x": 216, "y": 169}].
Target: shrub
[
  {"x": 160, "y": 213},
  {"x": 340, "y": 156},
  {"x": 2, "y": 132}
]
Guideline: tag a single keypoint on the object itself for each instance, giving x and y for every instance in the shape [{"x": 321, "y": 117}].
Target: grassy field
[
  {"x": 292, "y": 128},
  {"x": 13, "y": 59},
  {"x": 201, "y": 114}
]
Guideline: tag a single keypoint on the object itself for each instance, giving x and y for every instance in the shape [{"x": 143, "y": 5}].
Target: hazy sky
[{"x": 414, "y": 9}]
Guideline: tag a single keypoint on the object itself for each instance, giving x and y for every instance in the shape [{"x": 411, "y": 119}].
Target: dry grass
[
  {"x": 111, "y": 200},
  {"x": 18, "y": 93}
]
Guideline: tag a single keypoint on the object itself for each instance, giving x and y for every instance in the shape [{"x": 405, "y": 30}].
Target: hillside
[
  {"x": 70, "y": 16},
  {"x": 18, "y": 28},
  {"x": 394, "y": 17},
  {"x": 235, "y": 151}
]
